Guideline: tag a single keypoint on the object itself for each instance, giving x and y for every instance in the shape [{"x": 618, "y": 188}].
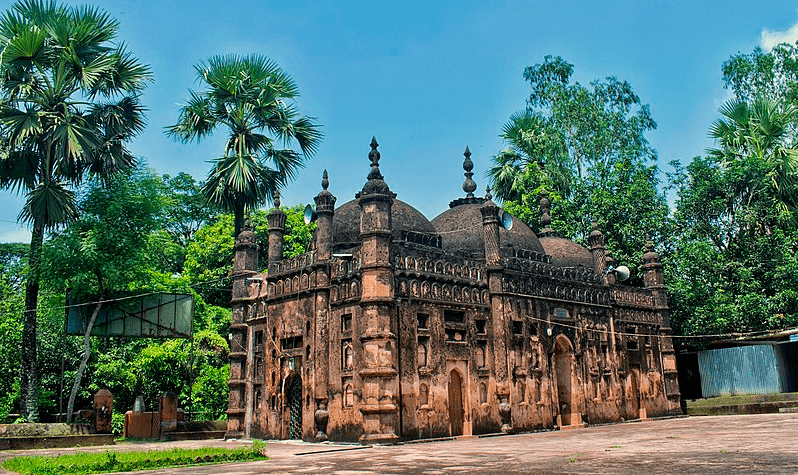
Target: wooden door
[{"x": 456, "y": 403}]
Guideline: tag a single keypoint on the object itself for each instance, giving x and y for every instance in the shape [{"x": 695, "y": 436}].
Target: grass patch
[
  {"x": 103, "y": 462},
  {"x": 615, "y": 446},
  {"x": 741, "y": 399},
  {"x": 573, "y": 458},
  {"x": 673, "y": 436}
]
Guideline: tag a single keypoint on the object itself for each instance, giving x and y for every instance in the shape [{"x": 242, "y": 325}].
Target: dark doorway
[
  {"x": 563, "y": 365},
  {"x": 633, "y": 392},
  {"x": 456, "y": 403},
  {"x": 293, "y": 397}
]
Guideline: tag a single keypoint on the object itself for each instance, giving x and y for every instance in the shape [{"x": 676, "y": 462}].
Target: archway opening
[
  {"x": 293, "y": 398},
  {"x": 563, "y": 366},
  {"x": 456, "y": 403}
]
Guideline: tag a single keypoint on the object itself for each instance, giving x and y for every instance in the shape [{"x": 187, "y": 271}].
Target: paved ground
[{"x": 764, "y": 443}]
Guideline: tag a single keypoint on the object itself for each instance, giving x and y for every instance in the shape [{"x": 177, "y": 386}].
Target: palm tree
[
  {"x": 757, "y": 143},
  {"x": 534, "y": 153},
  {"x": 255, "y": 101},
  {"x": 69, "y": 103}
]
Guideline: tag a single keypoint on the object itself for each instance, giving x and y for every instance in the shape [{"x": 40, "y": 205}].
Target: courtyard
[{"x": 761, "y": 443}]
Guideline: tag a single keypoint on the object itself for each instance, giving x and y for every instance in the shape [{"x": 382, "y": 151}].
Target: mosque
[{"x": 395, "y": 327}]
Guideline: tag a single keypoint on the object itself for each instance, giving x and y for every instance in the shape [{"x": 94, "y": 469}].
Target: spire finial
[
  {"x": 374, "y": 156},
  {"x": 247, "y": 223},
  {"x": 276, "y": 198},
  {"x": 649, "y": 244},
  {"x": 468, "y": 185},
  {"x": 488, "y": 196},
  {"x": 545, "y": 216},
  {"x": 324, "y": 181}
]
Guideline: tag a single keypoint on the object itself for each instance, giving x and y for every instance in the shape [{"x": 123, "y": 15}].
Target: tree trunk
[
  {"x": 86, "y": 353},
  {"x": 29, "y": 378},
  {"x": 239, "y": 220}
]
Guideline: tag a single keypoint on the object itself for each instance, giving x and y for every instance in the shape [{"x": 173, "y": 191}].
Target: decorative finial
[
  {"x": 468, "y": 185},
  {"x": 545, "y": 216},
  {"x": 488, "y": 196},
  {"x": 595, "y": 225},
  {"x": 374, "y": 156},
  {"x": 324, "y": 181},
  {"x": 247, "y": 223},
  {"x": 649, "y": 244},
  {"x": 276, "y": 198}
]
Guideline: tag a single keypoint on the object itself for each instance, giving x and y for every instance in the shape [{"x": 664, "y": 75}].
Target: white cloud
[
  {"x": 770, "y": 39},
  {"x": 18, "y": 234}
]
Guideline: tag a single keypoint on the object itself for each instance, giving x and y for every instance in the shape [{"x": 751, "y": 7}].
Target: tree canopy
[
  {"x": 586, "y": 147},
  {"x": 254, "y": 100},
  {"x": 70, "y": 104}
]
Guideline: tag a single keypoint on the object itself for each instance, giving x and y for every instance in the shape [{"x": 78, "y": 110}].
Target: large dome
[
  {"x": 566, "y": 253},
  {"x": 346, "y": 222},
  {"x": 460, "y": 228}
]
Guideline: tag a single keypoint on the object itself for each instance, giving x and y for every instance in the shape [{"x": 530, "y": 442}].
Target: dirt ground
[{"x": 762, "y": 443}]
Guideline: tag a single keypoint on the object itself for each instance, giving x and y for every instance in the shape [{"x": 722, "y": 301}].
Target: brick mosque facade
[{"x": 394, "y": 327}]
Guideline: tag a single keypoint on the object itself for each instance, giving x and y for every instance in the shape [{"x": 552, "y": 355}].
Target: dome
[
  {"x": 460, "y": 228},
  {"x": 346, "y": 221},
  {"x": 566, "y": 253}
]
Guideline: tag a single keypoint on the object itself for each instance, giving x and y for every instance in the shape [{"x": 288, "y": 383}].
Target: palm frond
[{"x": 52, "y": 205}]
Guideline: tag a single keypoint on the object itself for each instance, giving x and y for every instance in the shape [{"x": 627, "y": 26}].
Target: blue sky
[{"x": 429, "y": 78}]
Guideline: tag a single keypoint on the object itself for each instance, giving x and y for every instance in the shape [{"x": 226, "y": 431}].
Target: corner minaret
[
  {"x": 276, "y": 220},
  {"x": 654, "y": 280},
  {"x": 379, "y": 366},
  {"x": 596, "y": 241},
  {"x": 245, "y": 265},
  {"x": 490, "y": 229},
  {"x": 325, "y": 208}
]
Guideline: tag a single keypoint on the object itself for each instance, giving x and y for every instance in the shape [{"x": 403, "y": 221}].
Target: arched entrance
[
  {"x": 563, "y": 366},
  {"x": 633, "y": 393},
  {"x": 293, "y": 400},
  {"x": 456, "y": 403}
]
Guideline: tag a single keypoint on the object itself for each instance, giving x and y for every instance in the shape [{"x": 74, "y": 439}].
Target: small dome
[
  {"x": 346, "y": 222},
  {"x": 460, "y": 228},
  {"x": 566, "y": 253}
]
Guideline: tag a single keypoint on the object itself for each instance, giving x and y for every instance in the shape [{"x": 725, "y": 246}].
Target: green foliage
[
  {"x": 210, "y": 392},
  {"x": 727, "y": 270},
  {"x": 254, "y": 100},
  {"x": 210, "y": 256},
  {"x": 107, "y": 249},
  {"x": 70, "y": 103},
  {"x": 11, "y": 306},
  {"x": 732, "y": 266},
  {"x": 103, "y": 462},
  {"x": 773, "y": 74},
  {"x": 586, "y": 147},
  {"x": 117, "y": 423}
]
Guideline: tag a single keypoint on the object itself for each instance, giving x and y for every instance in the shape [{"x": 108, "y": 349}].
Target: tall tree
[
  {"x": 254, "y": 100},
  {"x": 107, "y": 249},
  {"x": 586, "y": 146},
  {"x": 69, "y": 105},
  {"x": 756, "y": 142},
  {"x": 772, "y": 74}
]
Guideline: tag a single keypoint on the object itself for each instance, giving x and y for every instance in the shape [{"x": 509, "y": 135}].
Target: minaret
[
  {"x": 276, "y": 220},
  {"x": 596, "y": 241},
  {"x": 379, "y": 366},
  {"x": 654, "y": 280},
  {"x": 499, "y": 317},
  {"x": 325, "y": 208},
  {"x": 245, "y": 265}
]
